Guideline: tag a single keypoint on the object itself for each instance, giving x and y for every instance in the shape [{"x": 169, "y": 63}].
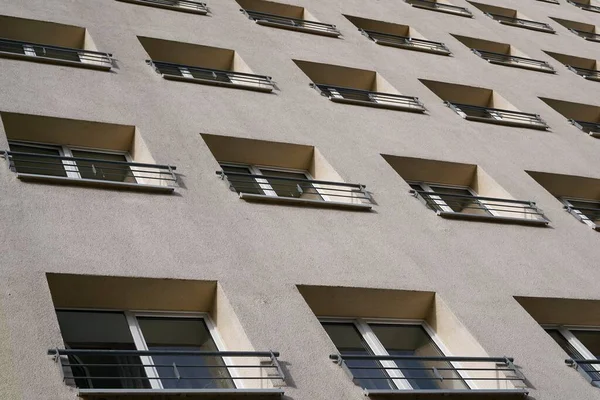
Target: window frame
[
  {"x": 565, "y": 331},
  {"x": 66, "y": 151},
  {"x": 141, "y": 345},
  {"x": 443, "y": 206},
  {"x": 377, "y": 348},
  {"x": 265, "y": 186},
  {"x": 579, "y": 214}
]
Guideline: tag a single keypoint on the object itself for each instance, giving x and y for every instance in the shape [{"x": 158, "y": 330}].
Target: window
[
  {"x": 55, "y": 160},
  {"x": 364, "y": 337},
  {"x": 586, "y": 31},
  {"x": 49, "y": 42},
  {"x": 587, "y": 5},
  {"x": 355, "y": 86},
  {"x": 189, "y": 6},
  {"x": 581, "y": 344},
  {"x": 103, "y": 331},
  {"x": 441, "y": 6},
  {"x": 585, "y": 117},
  {"x": 452, "y": 198},
  {"x": 509, "y": 16},
  {"x": 584, "y": 67},
  {"x": 269, "y": 181},
  {"x": 585, "y": 210}
]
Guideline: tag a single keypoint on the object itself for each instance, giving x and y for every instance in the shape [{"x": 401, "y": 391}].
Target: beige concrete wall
[{"x": 258, "y": 253}]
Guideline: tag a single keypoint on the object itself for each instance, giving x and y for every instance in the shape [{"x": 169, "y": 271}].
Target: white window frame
[
  {"x": 426, "y": 186},
  {"x": 378, "y": 349},
  {"x": 140, "y": 342},
  {"x": 264, "y": 183},
  {"x": 565, "y": 331},
  {"x": 578, "y": 214},
  {"x": 66, "y": 151}
]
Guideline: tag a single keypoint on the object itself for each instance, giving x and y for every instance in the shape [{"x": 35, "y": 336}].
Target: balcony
[
  {"x": 368, "y": 98},
  {"x": 434, "y": 377},
  {"x": 297, "y": 191},
  {"x": 514, "y": 61},
  {"x": 480, "y": 208},
  {"x": 209, "y": 76},
  {"x": 441, "y": 7},
  {"x": 521, "y": 23},
  {"x": 591, "y": 36},
  {"x": 498, "y": 116},
  {"x": 584, "y": 6},
  {"x": 125, "y": 373},
  {"x": 589, "y": 369},
  {"x": 592, "y": 128},
  {"x": 188, "y": 6},
  {"x": 92, "y": 172},
  {"x": 55, "y": 54},
  {"x": 587, "y": 73},
  {"x": 296, "y": 24},
  {"x": 406, "y": 42}
]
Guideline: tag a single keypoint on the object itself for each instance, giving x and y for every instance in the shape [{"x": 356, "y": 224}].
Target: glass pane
[
  {"x": 242, "y": 184},
  {"x": 289, "y": 188},
  {"x": 458, "y": 204},
  {"x": 100, "y": 170},
  {"x": 413, "y": 340},
  {"x": 91, "y": 330},
  {"x": 37, "y": 165},
  {"x": 367, "y": 373},
  {"x": 59, "y": 54},
  {"x": 9, "y": 47},
  {"x": 188, "y": 334},
  {"x": 591, "y": 209},
  {"x": 209, "y": 75}
]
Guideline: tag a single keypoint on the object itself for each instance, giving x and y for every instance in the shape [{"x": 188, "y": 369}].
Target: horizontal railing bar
[
  {"x": 166, "y": 365},
  {"x": 595, "y": 210},
  {"x": 161, "y": 177},
  {"x": 407, "y": 38},
  {"x": 284, "y": 185},
  {"x": 391, "y": 95},
  {"x": 580, "y": 69},
  {"x": 302, "y": 21},
  {"x": 431, "y": 368},
  {"x": 433, "y": 378},
  {"x": 500, "y": 110},
  {"x": 524, "y": 21},
  {"x": 470, "y": 197},
  {"x": 164, "y": 352},
  {"x": 75, "y": 50},
  {"x": 175, "y": 3},
  {"x": 511, "y": 57},
  {"x": 94, "y": 160},
  {"x": 191, "y": 67},
  {"x": 267, "y": 177},
  {"x": 434, "y": 4},
  {"x": 585, "y": 33},
  {"x": 421, "y": 358},
  {"x": 169, "y": 378},
  {"x": 582, "y": 361}
]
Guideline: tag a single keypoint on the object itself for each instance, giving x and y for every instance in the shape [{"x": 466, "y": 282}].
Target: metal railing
[
  {"x": 525, "y": 23},
  {"x": 488, "y": 207},
  {"x": 212, "y": 75},
  {"x": 507, "y": 59},
  {"x": 496, "y": 115},
  {"x": 584, "y": 6},
  {"x": 291, "y": 22},
  {"x": 30, "y": 164},
  {"x": 100, "y": 369},
  {"x": 359, "y": 96},
  {"x": 440, "y": 374},
  {"x": 594, "y": 37},
  {"x": 184, "y": 5},
  {"x": 593, "y": 128},
  {"x": 277, "y": 186},
  {"x": 405, "y": 42},
  {"x": 58, "y": 53},
  {"x": 434, "y": 5},
  {"x": 585, "y": 214},
  {"x": 587, "y": 73},
  {"x": 589, "y": 368},
  {"x": 550, "y": 1}
]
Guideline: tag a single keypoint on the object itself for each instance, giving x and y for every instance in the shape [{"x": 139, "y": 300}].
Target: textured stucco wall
[{"x": 257, "y": 252}]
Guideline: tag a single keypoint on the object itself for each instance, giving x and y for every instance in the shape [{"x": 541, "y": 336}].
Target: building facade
[{"x": 299, "y": 200}]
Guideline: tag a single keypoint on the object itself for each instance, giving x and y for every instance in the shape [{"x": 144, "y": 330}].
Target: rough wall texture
[{"x": 258, "y": 253}]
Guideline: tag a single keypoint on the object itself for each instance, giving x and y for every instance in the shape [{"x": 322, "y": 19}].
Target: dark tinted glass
[
  {"x": 241, "y": 183},
  {"x": 102, "y": 170},
  {"x": 285, "y": 187},
  {"x": 37, "y": 165}
]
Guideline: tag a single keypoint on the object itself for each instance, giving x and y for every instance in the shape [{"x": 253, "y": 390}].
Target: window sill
[
  {"x": 305, "y": 202},
  {"x": 298, "y": 28},
  {"x": 523, "y": 66},
  {"x": 531, "y": 28},
  {"x": 96, "y": 183},
  {"x": 491, "y": 394},
  {"x": 56, "y": 61},
  {"x": 178, "y": 393},
  {"x": 507, "y": 123},
  {"x": 414, "y": 48},
  {"x": 378, "y": 105},
  {"x": 458, "y": 13},
  {"x": 166, "y": 6},
  {"x": 492, "y": 218},
  {"x": 218, "y": 83}
]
